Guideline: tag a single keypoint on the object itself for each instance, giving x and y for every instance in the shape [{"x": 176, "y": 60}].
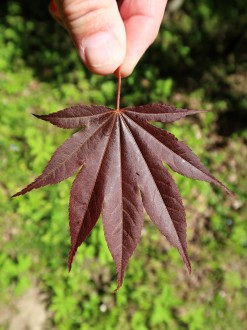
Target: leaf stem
[{"x": 118, "y": 89}]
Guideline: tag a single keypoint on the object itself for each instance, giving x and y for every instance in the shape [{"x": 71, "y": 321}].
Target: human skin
[{"x": 109, "y": 34}]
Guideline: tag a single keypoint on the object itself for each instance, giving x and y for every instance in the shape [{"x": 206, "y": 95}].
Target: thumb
[{"x": 98, "y": 32}]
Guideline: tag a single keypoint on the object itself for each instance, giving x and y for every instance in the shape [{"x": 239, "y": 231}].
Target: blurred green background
[{"x": 199, "y": 61}]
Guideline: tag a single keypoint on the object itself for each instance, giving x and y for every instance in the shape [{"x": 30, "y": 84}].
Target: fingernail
[{"x": 101, "y": 50}]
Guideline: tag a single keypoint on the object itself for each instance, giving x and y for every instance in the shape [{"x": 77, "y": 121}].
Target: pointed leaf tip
[
  {"x": 70, "y": 260},
  {"x": 190, "y": 270},
  {"x": 117, "y": 288},
  {"x": 41, "y": 117},
  {"x": 187, "y": 264}
]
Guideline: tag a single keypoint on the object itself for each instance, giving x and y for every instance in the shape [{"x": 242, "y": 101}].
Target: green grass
[{"x": 41, "y": 73}]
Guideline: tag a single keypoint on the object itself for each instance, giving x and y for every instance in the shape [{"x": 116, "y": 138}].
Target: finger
[
  {"x": 98, "y": 32},
  {"x": 142, "y": 19}
]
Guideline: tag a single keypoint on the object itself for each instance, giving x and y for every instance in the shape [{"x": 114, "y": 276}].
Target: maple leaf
[{"x": 120, "y": 158}]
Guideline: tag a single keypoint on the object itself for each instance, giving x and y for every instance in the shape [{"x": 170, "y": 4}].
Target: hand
[{"x": 109, "y": 34}]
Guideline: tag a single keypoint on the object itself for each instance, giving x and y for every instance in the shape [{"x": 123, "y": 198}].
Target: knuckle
[
  {"x": 75, "y": 9},
  {"x": 86, "y": 16}
]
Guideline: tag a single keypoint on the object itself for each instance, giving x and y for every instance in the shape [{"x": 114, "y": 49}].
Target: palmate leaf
[{"x": 120, "y": 158}]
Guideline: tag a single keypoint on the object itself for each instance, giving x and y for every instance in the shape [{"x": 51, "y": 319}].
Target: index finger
[{"x": 142, "y": 20}]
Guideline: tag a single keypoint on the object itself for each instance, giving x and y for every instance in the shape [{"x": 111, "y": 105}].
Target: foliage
[
  {"x": 120, "y": 159},
  {"x": 198, "y": 62}
]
